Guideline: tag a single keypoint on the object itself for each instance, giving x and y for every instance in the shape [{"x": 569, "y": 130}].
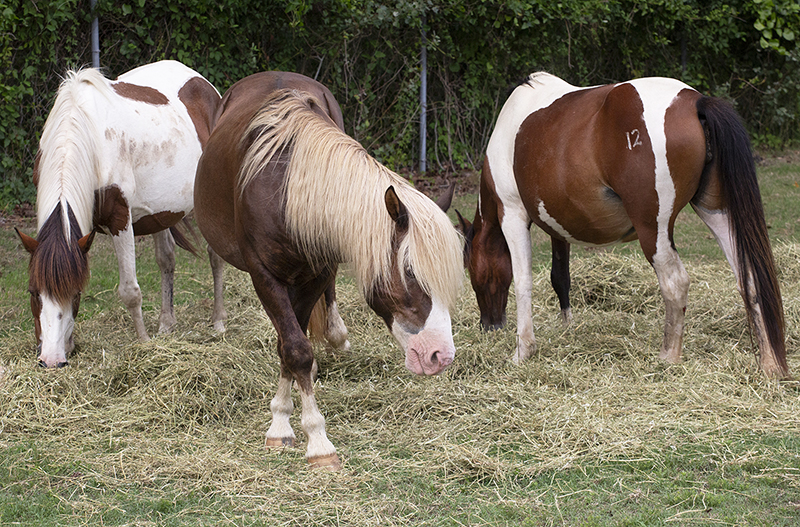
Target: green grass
[{"x": 592, "y": 431}]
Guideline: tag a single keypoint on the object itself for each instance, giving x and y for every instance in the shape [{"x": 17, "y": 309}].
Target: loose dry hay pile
[{"x": 189, "y": 411}]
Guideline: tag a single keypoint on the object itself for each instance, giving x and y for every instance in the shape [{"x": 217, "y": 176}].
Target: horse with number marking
[
  {"x": 119, "y": 157},
  {"x": 283, "y": 194},
  {"x": 614, "y": 163}
]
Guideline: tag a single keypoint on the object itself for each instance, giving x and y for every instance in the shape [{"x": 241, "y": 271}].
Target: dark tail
[
  {"x": 181, "y": 240},
  {"x": 730, "y": 150}
]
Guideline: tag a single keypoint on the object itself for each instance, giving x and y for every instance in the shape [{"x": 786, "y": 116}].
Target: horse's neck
[{"x": 69, "y": 170}]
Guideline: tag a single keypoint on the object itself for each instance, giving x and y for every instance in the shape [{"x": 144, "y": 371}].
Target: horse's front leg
[
  {"x": 219, "y": 315},
  {"x": 516, "y": 229},
  {"x": 165, "y": 257},
  {"x": 129, "y": 291},
  {"x": 297, "y": 359},
  {"x": 559, "y": 277}
]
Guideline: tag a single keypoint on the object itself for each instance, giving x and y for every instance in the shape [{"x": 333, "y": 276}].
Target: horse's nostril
[
  {"x": 435, "y": 357},
  {"x": 62, "y": 364},
  {"x": 42, "y": 364}
]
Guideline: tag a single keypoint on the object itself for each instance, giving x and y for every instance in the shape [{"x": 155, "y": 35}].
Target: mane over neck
[
  {"x": 69, "y": 167},
  {"x": 334, "y": 196}
]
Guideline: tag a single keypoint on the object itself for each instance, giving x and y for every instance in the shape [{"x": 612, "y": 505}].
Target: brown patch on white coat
[{"x": 90, "y": 177}]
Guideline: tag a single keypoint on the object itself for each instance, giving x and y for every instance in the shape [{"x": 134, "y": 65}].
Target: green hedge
[{"x": 368, "y": 51}]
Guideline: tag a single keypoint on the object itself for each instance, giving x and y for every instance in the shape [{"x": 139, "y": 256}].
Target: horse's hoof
[
  {"x": 566, "y": 317},
  {"x": 772, "y": 370},
  {"x": 328, "y": 462},
  {"x": 670, "y": 357},
  {"x": 525, "y": 349},
  {"x": 219, "y": 326},
  {"x": 280, "y": 442}
]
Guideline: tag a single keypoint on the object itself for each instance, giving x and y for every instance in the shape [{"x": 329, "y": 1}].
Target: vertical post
[
  {"x": 95, "y": 38},
  {"x": 423, "y": 99}
]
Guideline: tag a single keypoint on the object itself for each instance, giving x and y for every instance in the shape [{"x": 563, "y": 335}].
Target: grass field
[{"x": 594, "y": 430}]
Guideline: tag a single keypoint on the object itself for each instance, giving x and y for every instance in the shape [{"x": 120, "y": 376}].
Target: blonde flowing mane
[
  {"x": 69, "y": 165},
  {"x": 335, "y": 206}
]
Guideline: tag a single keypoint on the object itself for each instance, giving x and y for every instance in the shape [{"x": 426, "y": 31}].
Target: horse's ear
[
  {"x": 29, "y": 243},
  {"x": 446, "y": 199},
  {"x": 465, "y": 227},
  {"x": 85, "y": 243},
  {"x": 396, "y": 209}
]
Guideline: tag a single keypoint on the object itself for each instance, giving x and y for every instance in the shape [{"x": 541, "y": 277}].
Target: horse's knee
[
  {"x": 130, "y": 294},
  {"x": 298, "y": 357}
]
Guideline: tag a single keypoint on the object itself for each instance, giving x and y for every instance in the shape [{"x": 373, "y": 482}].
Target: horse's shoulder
[{"x": 110, "y": 209}]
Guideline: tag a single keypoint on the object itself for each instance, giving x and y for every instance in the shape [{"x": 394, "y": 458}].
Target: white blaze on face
[
  {"x": 431, "y": 350},
  {"x": 57, "y": 324}
]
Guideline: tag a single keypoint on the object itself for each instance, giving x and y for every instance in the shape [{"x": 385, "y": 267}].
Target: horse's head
[
  {"x": 420, "y": 322},
  {"x": 58, "y": 272},
  {"x": 488, "y": 261}
]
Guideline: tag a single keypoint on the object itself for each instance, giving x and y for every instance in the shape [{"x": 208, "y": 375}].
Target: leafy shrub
[{"x": 367, "y": 52}]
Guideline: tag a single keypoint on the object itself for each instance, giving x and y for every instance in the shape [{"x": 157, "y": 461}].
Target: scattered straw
[{"x": 188, "y": 411}]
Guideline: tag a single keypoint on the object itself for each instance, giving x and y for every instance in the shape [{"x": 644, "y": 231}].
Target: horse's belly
[{"x": 584, "y": 223}]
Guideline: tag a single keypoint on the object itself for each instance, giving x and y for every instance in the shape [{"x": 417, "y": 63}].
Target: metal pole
[
  {"x": 95, "y": 39},
  {"x": 423, "y": 100}
]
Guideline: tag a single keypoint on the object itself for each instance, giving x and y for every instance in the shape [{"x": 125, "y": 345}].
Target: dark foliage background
[{"x": 368, "y": 53}]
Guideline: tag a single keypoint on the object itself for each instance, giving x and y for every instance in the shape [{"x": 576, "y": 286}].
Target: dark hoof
[{"x": 492, "y": 327}]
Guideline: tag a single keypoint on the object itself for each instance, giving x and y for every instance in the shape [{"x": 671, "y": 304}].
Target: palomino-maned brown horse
[
  {"x": 120, "y": 157},
  {"x": 608, "y": 164},
  {"x": 282, "y": 193}
]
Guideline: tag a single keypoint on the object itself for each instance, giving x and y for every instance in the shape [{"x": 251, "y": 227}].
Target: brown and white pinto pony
[
  {"x": 119, "y": 157},
  {"x": 614, "y": 163},
  {"x": 282, "y": 193}
]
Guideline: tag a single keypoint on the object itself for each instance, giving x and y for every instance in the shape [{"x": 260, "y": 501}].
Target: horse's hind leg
[
  {"x": 559, "y": 277},
  {"x": 219, "y": 315},
  {"x": 718, "y": 222},
  {"x": 674, "y": 283},
  {"x": 335, "y": 330},
  {"x": 129, "y": 290},
  {"x": 673, "y": 280},
  {"x": 165, "y": 257}
]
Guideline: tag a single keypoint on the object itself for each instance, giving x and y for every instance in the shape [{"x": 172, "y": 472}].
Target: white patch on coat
[
  {"x": 57, "y": 324},
  {"x": 657, "y": 94}
]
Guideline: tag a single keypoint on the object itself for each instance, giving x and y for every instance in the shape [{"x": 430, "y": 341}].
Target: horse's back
[
  {"x": 218, "y": 170},
  {"x": 154, "y": 131},
  {"x": 586, "y": 161},
  {"x": 179, "y": 83},
  {"x": 243, "y": 99}
]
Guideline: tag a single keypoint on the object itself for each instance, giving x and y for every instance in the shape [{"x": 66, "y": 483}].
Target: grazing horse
[
  {"x": 614, "y": 163},
  {"x": 120, "y": 157},
  {"x": 282, "y": 193}
]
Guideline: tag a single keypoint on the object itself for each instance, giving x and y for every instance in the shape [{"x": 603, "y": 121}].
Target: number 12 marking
[{"x": 636, "y": 141}]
